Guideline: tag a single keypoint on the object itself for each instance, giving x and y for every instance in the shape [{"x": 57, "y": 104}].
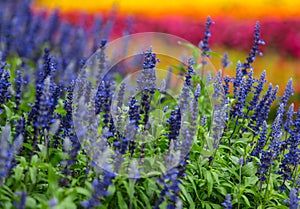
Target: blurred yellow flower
[{"x": 191, "y": 8}]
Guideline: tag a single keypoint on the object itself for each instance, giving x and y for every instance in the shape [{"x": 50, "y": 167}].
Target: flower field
[
  {"x": 279, "y": 22},
  {"x": 95, "y": 115}
]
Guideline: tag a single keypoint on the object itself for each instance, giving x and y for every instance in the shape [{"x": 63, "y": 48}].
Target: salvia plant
[{"x": 220, "y": 144}]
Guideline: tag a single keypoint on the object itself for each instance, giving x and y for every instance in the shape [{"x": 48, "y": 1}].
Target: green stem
[
  {"x": 131, "y": 188},
  {"x": 229, "y": 139},
  {"x": 202, "y": 71},
  {"x": 244, "y": 118},
  {"x": 295, "y": 175},
  {"x": 267, "y": 189},
  {"x": 239, "y": 188}
]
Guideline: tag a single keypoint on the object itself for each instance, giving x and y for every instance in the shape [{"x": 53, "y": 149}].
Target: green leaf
[
  {"x": 22, "y": 161},
  {"x": 234, "y": 159},
  {"x": 249, "y": 169},
  {"x": 111, "y": 189},
  {"x": 194, "y": 186},
  {"x": 67, "y": 203},
  {"x": 187, "y": 197},
  {"x": 6, "y": 191},
  {"x": 153, "y": 173},
  {"x": 33, "y": 173},
  {"x": 28, "y": 146},
  {"x": 43, "y": 150},
  {"x": 221, "y": 190},
  {"x": 8, "y": 112},
  {"x": 250, "y": 181},
  {"x": 214, "y": 54},
  {"x": 216, "y": 206},
  {"x": 250, "y": 191},
  {"x": 34, "y": 160},
  {"x": 246, "y": 200},
  {"x": 207, "y": 205},
  {"x": 216, "y": 177},
  {"x": 121, "y": 203},
  {"x": 151, "y": 187},
  {"x": 145, "y": 199},
  {"x": 210, "y": 182},
  {"x": 260, "y": 207},
  {"x": 19, "y": 173},
  {"x": 30, "y": 202},
  {"x": 83, "y": 191},
  {"x": 52, "y": 179},
  {"x": 207, "y": 153}
]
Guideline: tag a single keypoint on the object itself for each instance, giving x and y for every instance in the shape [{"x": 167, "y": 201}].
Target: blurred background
[{"x": 232, "y": 31}]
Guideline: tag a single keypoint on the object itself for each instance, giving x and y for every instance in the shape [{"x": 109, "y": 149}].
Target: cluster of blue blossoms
[{"x": 45, "y": 115}]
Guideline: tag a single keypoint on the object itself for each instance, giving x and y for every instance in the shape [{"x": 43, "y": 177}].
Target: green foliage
[{"x": 210, "y": 175}]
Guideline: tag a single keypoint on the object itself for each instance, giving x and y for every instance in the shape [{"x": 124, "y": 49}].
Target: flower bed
[{"x": 77, "y": 133}]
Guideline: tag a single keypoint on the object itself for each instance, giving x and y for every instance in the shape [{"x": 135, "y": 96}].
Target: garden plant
[{"x": 87, "y": 123}]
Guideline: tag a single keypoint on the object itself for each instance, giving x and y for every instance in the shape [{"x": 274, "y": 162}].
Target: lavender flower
[
  {"x": 209, "y": 78},
  {"x": 18, "y": 86},
  {"x": 4, "y": 83},
  {"x": 203, "y": 121},
  {"x": 185, "y": 98},
  {"x": 292, "y": 157},
  {"x": 263, "y": 108},
  {"x": 100, "y": 190},
  {"x": 134, "y": 120},
  {"x": 258, "y": 89},
  {"x": 277, "y": 124},
  {"x": 68, "y": 130},
  {"x": 22, "y": 200},
  {"x": 53, "y": 22},
  {"x": 5, "y": 135},
  {"x": 262, "y": 102},
  {"x": 67, "y": 120},
  {"x": 268, "y": 156},
  {"x": 174, "y": 125},
  {"x": 289, "y": 119},
  {"x": 170, "y": 190},
  {"x": 287, "y": 93},
  {"x": 227, "y": 81},
  {"x": 20, "y": 128},
  {"x": 124, "y": 145},
  {"x": 244, "y": 90},
  {"x": 8, "y": 150},
  {"x": 170, "y": 179},
  {"x": 257, "y": 41},
  {"x": 103, "y": 100},
  {"x": 237, "y": 82},
  {"x": 65, "y": 32},
  {"x": 134, "y": 113},
  {"x": 220, "y": 111},
  {"x": 53, "y": 202},
  {"x": 49, "y": 66},
  {"x": 293, "y": 199},
  {"x": 145, "y": 106},
  {"x": 44, "y": 117},
  {"x": 225, "y": 61},
  {"x": 227, "y": 203},
  {"x": 102, "y": 58},
  {"x": 204, "y": 46},
  {"x": 197, "y": 92},
  {"x": 147, "y": 81},
  {"x": 261, "y": 141},
  {"x": 120, "y": 98},
  {"x": 190, "y": 72},
  {"x": 218, "y": 90},
  {"x": 96, "y": 32},
  {"x": 48, "y": 69}
]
